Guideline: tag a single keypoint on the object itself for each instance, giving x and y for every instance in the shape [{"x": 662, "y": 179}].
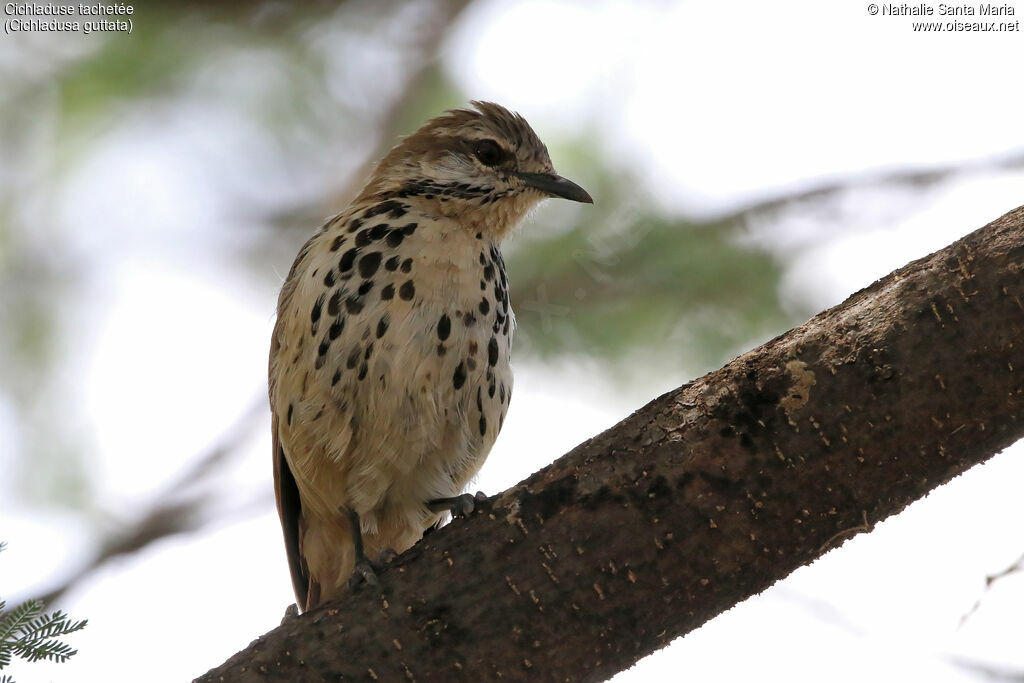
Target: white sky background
[{"x": 714, "y": 104}]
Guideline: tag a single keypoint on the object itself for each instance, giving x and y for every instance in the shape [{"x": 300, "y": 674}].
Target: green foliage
[
  {"x": 28, "y": 633},
  {"x": 635, "y": 287}
]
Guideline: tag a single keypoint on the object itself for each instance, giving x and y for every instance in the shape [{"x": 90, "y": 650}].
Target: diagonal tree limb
[
  {"x": 1015, "y": 568},
  {"x": 182, "y": 506},
  {"x": 904, "y": 178},
  {"x": 703, "y": 497}
]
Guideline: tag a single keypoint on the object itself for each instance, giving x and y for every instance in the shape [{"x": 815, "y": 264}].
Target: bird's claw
[
  {"x": 363, "y": 571},
  {"x": 366, "y": 571},
  {"x": 459, "y": 506}
]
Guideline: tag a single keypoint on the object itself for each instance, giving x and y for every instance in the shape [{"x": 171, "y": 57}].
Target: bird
[{"x": 389, "y": 374}]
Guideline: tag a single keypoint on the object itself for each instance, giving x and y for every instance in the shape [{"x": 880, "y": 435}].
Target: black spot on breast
[
  {"x": 408, "y": 229},
  {"x": 353, "y": 357},
  {"x": 329, "y": 279},
  {"x": 363, "y": 238},
  {"x": 387, "y": 293},
  {"x": 355, "y": 224},
  {"x": 365, "y": 287},
  {"x": 485, "y": 306},
  {"x": 363, "y": 370},
  {"x": 391, "y": 207},
  {"x": 378, "y": 231},
  {"x": 479, "y": 235},
  {"x": 444, "y": 327},
  {"x": 489, "y": 272},
  {"x": 324, "y": 346},
  {"x": 502, "y": 394},
  {"x": 483, "y": 425},
  {"x": 338, "y": 241},
  {"x": 483, "y": 259},
  {"x": 459, "y": 378},
  {"x": 490, "y": 390},
  {"x": 334, "y": 305},
  {"x": 337, "y": 377},
  {"x": 483, "y": 286},
  {"x": 504, "y": 330},
  {"x": 479, "y": 400},
  {"x": 407, "y": 265},
  {"x": 392, "y": 263},
  {"x": 395, "y": 238},
  {"x": 441, "y": 349},
  {"x": 472, "y": 347},
  {"x": 336, "y": 327},
  {"x": 347, "y": 259},
  {"x": 492, "y": 352},
  {"x": 291, "y": 408},
  {"x": 407, "y": 291},
  {"x": 382, "y": 325},
  {"x": 354, "y": 305},
  {"x": 469, "y": 319},
  {"x": 317, "y": 309},
  {"x": 368, "y": 264}
]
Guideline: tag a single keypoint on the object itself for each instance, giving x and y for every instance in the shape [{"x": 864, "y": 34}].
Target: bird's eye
[{"x": 488, "y": 152}]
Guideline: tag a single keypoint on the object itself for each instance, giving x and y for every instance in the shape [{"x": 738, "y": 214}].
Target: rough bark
[{"x": 703, "y": 497}]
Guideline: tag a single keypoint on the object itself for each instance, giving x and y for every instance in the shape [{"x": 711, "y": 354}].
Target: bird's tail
[{"x": 327, "y": 548}]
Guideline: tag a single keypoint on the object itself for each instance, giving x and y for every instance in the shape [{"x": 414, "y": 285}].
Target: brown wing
[
  {"x": 286, "y": 491},
  {"x": 317, "y": 539},
  {"x": 289, "y": 508}
]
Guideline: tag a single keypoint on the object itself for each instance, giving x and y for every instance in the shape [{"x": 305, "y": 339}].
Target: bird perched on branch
[{"x": 389, "y": 362}]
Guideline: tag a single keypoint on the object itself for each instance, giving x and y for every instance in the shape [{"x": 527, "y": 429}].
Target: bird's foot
[
  {"x": 364, "y": 571},
  {"x": 458, "y": 505}
]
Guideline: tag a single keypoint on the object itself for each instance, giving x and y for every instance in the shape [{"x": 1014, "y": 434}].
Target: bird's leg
[
  {"x": 363, "y": 569},
  {"x": 457, "y": 505}
]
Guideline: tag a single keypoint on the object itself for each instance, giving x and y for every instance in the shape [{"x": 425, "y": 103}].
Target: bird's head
[{"x": 483, "y": 166}]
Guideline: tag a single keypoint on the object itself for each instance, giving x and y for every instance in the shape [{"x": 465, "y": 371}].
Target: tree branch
[{"x": 703, "y": 497}]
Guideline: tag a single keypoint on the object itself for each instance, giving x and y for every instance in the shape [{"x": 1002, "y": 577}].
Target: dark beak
[{"x": 556, "y": 186}]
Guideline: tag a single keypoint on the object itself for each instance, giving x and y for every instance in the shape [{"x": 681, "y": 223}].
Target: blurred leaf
[{"x": 618, "y": 283}]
